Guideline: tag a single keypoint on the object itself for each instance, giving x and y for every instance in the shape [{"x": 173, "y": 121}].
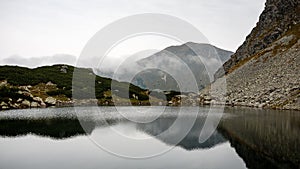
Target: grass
[
  {"x": 62, "y": 77},
  {"x": 293, "y": 31}
]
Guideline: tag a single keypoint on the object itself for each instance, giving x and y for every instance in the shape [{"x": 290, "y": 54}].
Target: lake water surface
[{"x": 102, "y": 137}]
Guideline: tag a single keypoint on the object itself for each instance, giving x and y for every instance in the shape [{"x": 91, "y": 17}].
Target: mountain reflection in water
[{"x": 262, "y": 138}]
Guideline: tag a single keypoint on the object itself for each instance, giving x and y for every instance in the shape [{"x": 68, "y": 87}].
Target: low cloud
[{"x": 33, "y": 62}]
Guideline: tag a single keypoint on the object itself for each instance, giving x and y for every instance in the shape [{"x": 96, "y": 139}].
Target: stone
[
  {"x": 42, "y": 105},
  {"x": 207, "y": 98},
  {"x": 63, "y": 69},
  {"x": 15, "y": 105},
  {"x": 25, "y": 88},
  {"x": 261, "y": 105},
  {"x": 34, "y": 104},
  {"x": 50, "y": 84},
  {"x": 38, "y": 99},
  {"x": 50, "y": 101},
  {"x": 206, "y": 102},
  {"x": 3, "y": 104},
  {"x": 25, "y": 93},
  {"x": 25, "y": 103},
  {"x": 3, "y": 83},
  {"x": 213, "y": 102},
  {"x": 5, "y": 107}
]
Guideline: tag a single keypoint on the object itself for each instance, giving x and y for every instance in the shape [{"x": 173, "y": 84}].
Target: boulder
[
  {"x": 261, "y": 105},
  {"x": 15, "y": 105},
  {"x": 50, "y": 84},
  {"x": 50, "y": 101},
  {"x": 207, "y": 98},
  {"x": 38, "y": 99},
  {"x": 206, "y": 102},
  {"x": 3, "y": 83},
  {"x": 25, "y": 93},
  {"x": 24, "y": 88},
  {"x": 25, "y": 103},
  {"x": 3, "y": 104},
  {"x": 34, "y": 104},
  {"x": 43, "y": 105},
  {"x": 4, "y": 107}
]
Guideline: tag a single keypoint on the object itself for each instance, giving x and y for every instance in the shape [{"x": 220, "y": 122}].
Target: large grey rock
[
  {"x": 3, "y": 83},
  {"x": 25, "y": 103},
  {"x": 25, "y": 93},
  {"x": 34, "y": 104},
  {"x": 4, "y": 107},
  {"x": 50, "y": 101},
  {"x": 19, "y": 100},
  {"x": 3, "y": 104}
]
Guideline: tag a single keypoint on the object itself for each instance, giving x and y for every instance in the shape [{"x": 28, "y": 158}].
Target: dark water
[{"x": 60, "y": 138}]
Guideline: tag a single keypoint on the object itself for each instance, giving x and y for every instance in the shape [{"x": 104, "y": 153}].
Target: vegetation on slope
[{"x": 61, "y": 76}]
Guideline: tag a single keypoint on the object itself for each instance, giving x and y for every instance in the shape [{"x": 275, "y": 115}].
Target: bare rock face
[
  {"x": 264, "y": 71},
  {"x": 278, "y": 17},
  {"x": 268, "y": 80}
]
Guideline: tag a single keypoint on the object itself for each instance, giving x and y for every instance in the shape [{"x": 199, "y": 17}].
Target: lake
[{"x": 155, "y": 138}]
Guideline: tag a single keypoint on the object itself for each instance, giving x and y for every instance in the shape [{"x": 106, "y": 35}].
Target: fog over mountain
[
  {"x": 172, "y": 68},
  {"x": 176, "y": 68}
]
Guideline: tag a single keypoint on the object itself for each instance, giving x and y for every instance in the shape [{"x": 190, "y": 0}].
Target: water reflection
[
  {"x": 63, "y": 128},
  {"x": 191, "y": 139},
  {"x": 56, "y": 128},
  {"x": 262, "y": 138}
]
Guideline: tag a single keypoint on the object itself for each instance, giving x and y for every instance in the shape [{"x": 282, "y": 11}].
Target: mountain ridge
[
  {"x": 278, "y": 17},
  {"x": 264, "y": 71}
]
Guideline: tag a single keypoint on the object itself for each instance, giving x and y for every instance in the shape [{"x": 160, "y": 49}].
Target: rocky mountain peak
[{"x": 278, "y": 17}]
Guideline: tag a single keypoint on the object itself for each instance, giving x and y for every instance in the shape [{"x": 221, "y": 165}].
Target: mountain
[
  {"x": 264, "y": 71},
  {"x": 179, "y": 60},
  {"x": 22, "y": 87},
  {"x": 279, "y": 18},
  {"x": 183, "y": 63}
]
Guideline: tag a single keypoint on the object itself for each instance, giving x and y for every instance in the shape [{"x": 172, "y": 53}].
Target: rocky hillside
[
  {"x": 52, "y": 86},
  {"x": 264, "y": 71},
  {"x": 278, "y": 17}
]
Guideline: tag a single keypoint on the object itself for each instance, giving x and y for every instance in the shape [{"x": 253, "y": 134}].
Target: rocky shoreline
[{"x": 267, "y": 98}]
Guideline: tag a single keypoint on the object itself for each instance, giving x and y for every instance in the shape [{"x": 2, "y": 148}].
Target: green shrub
[{"x": 64, "y": 80}]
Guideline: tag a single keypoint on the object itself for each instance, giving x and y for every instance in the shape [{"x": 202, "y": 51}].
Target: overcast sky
[{"x": 52, "y": 28}]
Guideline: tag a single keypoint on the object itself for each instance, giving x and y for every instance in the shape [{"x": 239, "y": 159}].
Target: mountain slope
[
  {"x": 177, "y": 60},
  {"x": 278, "y": 17},
  {"x": 264, "y": 72},
  {"x": 23, "y": 87}
]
